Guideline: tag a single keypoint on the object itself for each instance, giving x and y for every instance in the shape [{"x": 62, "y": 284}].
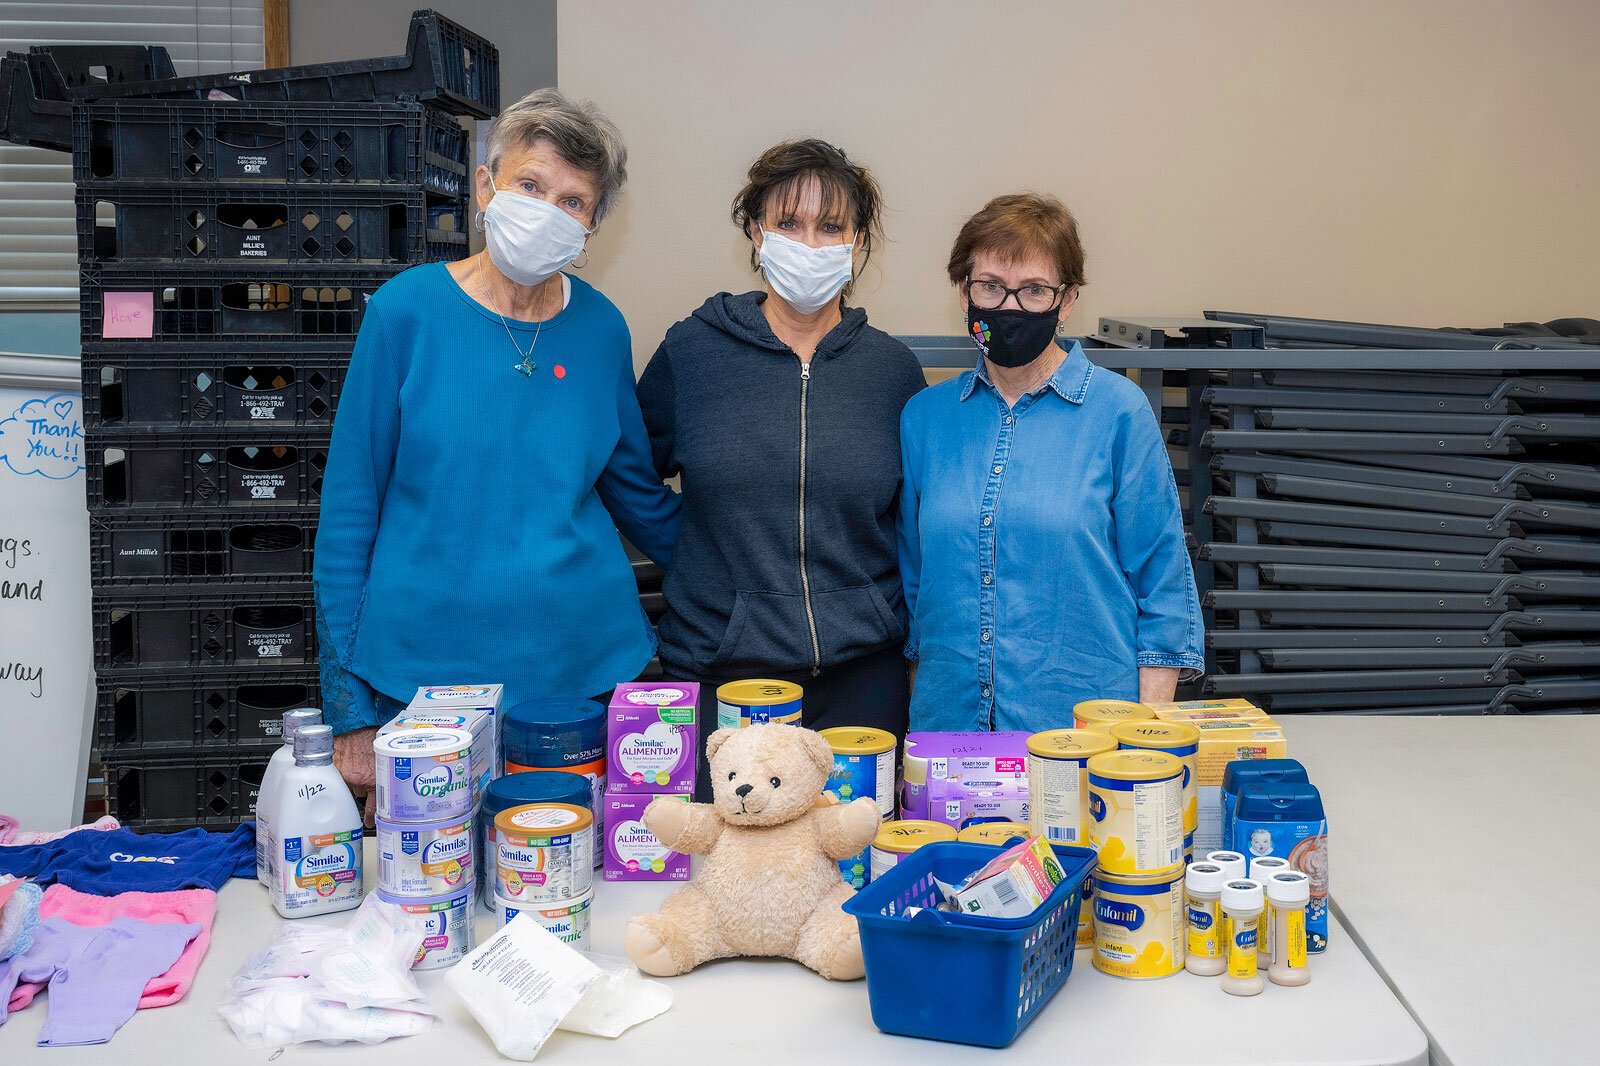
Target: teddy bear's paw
[
  {"x": 845, "y": 963},
  {"x": 647, "y": 947}
]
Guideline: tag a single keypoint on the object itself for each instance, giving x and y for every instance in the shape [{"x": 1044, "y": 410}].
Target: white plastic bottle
[
  {"x": 281, "y": 760},
  {"x": 317, "y": 830},
  {"x": 1288, "y": 893},
  {"x": 1243, "y": 901}
]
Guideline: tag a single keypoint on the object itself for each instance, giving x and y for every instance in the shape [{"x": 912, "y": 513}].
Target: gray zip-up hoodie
[{"x": 790, "y": 480}]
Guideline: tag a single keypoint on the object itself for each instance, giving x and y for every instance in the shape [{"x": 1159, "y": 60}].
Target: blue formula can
[{"x": 863, "y": 767}]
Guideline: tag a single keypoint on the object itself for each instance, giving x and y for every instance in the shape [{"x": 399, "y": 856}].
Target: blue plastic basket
[{"x": 955, "y": 977}]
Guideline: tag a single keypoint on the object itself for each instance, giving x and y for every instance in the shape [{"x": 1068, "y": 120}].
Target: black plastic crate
[
  {"x": 260, "y": 386},
  {"x": 166, "y": 142},
  {"x": 128, "y": 548},
  {"x": 205, "y": 469},
  {"x": 304, "y": 225},
  {"x": 253, "y": 625},
  {"x": 291, "y": 304},
  {"x": 209, "y": 790},
  {"x": 35, "y": 108},
  {"x": 184, "y": 712}
]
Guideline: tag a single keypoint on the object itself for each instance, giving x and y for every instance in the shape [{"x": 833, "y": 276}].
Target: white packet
[
  {"x": 618, "y": 1000},
  {"x": 520, "y": 984},
  {"x": 373, "y": 967}
]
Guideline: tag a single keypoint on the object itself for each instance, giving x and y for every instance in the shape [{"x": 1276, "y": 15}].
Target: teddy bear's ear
[
  {"x": 818, "y": 750},
  {"x": 715, "y": 741}
]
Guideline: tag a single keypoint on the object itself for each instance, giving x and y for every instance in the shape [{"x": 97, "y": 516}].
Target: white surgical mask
[
  {"x": 528, "y": 238},
  {"x": 806, "y": 277}
]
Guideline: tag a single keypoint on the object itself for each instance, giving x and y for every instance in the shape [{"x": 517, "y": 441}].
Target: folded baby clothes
[
  {"x": 120, "y": 860},
  {"x": 10, "y": 834},
  {"x": 95, "y": 973},
  {"x": 19, "y": 914},
  {"x": 192, "y": 906}
]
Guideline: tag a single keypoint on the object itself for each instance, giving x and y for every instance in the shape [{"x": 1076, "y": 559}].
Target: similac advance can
[
  {"x": 1136, "y": 811},
  {"x": 567, "y": 920},
  {"x": 426, "y": 858},
  {"x": 446, "y": 922},
  {"x": 1174, "y": 738},
  {"x": 1101, "y": 715},
  {"x": 1139, "y": 924},
  {"x": 424, "y": 774},
  {"x": 519, "y": 790},
  {"x": 996, "y": 833},
  {"x": 896, "y": 840},
  {"x": 1058, "y": 783},
  {"x": 544, "y": 852},
  {"x": 758, "y": 701}
]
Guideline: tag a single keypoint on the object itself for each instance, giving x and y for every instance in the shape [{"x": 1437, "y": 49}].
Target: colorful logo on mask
[{"x": 980, "y": 333}]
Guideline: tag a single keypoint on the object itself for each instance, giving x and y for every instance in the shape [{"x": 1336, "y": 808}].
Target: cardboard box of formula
[
  {"x": 1206, "y": 710},
  {"x": 1222, "y": 741}
]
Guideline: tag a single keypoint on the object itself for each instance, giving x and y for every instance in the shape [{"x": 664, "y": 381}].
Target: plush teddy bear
[{"x": 770, "y": 884}]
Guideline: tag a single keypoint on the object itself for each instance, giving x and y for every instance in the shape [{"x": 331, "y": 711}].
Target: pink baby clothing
[{"x": 11, "y": 835}]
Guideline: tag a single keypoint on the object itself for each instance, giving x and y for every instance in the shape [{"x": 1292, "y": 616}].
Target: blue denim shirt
[{"x": 1041, "y": 548}]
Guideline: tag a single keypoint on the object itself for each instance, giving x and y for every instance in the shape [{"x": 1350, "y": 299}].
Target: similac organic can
[
  {"x": 543, "y": 852},
  {"x": 1058, "y": 783},
  {"x": 1101, "y": 715},
  {"x": 758, "y": 701},
  {"x": 424, "y": 775},
  {"x": 896, "y": 840},
  {"x": 446, "y": 923},
  {"x": 996, "y": 833},
  {"x": 1140, "y": 924},
  {"x": 1136, "y": 811},
  {"x": 1174, "y": 738},
  {"x": 567, "y": 920},
  {"x": 425, "y": 858}
]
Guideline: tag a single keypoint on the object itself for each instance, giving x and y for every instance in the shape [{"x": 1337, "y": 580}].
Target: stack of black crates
[{"x": 227, "y": 251}]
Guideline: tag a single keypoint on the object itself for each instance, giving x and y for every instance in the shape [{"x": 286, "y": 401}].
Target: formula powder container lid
[
  {"x": 1289, "y": 886},
  {"x": 1069, "y": 743},
  {"x": 854, "y": 740},
  {"x": 1102, "y": 714},
  {"x": 553, "y": 732},
  {"x": 536, "y": 786},
  {"x": 1132, "y": 764},
  {"x": 422, "y": 743},
  {"x": 1159, "y": 735},
  {"x": 1242, "y": 895},
  {"x": 1205, "y": 877},
  {"x": 906, "y": 836},
  {"x": 533, "y": 821},
  {"x": 993, "y": 833},
  {"x": 1291, "y": 801},
  {"x": 1264, "y": 771},
  {"x": 759, "y": 692}
]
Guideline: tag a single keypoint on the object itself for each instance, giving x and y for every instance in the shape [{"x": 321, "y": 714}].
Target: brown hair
[
  {"x": 1019, "y": 225},
  {"x": 776, "y": 180}
]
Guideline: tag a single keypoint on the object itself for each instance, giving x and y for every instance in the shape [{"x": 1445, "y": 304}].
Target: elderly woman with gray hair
[{"x": 487, "y": 448}]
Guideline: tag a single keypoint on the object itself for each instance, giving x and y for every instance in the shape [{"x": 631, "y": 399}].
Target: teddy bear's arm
[
  {"x": 843, "y": 830},
  {"x": 688, "y": 828}
]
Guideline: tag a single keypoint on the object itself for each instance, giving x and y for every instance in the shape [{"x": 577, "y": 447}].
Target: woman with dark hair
[{"x": 780, "y": 410}]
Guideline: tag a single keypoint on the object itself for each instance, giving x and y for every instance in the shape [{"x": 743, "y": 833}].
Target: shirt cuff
[{"x": 1188, "y": 665}]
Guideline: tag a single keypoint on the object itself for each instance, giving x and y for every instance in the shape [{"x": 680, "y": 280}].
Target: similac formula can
[
  {"x": 558, "y": 734},
  {"x": 1174, "y": 738},
  {"x": 896, "y": 840},
  {"x": 424, "y": 775},
  {"x": 567, "y": 920},
  {"x": 997, "y": 833},
  {"x": 544, "y": 852},
  {"x": 1136, "y": 811},
  {"x": 1058, "y": 783},
  {"x": 913, "y": 784},
  {"x": 758, "y": 701},
  {"x": 1101, "y": 715},
  {"x": 863, "y": 767},
  {"x": 446, "y": 922},
  {"x": 519, "y": 790},
  {"x": 426, "y": 858},
  {"x": 1139, "y": 924}
]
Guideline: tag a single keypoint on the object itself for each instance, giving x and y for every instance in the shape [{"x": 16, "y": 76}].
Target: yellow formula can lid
[
  {"x": 993, "y": 833},
  {"x": 1091, "y": 714},
  {"x": 906, "y": 836},
  {"x": 1151, "y": 877},
  {"x": 1069, "y": 743},
  {"x": 858, "y": 740},
  {"x": 1156, "y": 734},
  {"x": 1131, "y": 764},
  {"x": 759, "y": 692}
]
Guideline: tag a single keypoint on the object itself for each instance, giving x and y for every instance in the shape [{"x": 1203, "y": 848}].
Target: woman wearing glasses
[{"x": 1041, "y": 542}]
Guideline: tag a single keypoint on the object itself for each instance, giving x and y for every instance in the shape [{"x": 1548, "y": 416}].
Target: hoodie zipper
[{"x": 805, "y": 577}]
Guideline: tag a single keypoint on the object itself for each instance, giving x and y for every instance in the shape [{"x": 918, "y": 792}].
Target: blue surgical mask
[{"x": 806, "y": 277}]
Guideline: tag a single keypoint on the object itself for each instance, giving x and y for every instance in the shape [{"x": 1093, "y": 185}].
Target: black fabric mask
[{"x": 1011, "y": 338}]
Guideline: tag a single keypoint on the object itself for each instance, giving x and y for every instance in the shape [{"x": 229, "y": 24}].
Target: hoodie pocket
[
  {"x": 852, "y": 622},
  {"x": 766, "y": 631}
]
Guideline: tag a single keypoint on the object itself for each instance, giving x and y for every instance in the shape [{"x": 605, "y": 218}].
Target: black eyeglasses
[{"x": 989, "y": 295}]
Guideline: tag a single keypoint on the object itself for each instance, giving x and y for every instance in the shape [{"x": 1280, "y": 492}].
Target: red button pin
[{"x": 559, "y": 371}]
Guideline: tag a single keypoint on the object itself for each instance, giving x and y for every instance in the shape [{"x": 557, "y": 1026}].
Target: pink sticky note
[{"x": 129, "y": 314}]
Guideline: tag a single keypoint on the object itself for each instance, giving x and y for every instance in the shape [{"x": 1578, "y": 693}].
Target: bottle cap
[
  {"x": 1289, "y": 886},
  {"x": 1205, "y": 877},
  {"x": 1242, "y": 894},
  {"x": 297, "y": 719},
  {"x": 1264, "y": 866},
  {"x": 1230, "y": 861},
  {"x": 313, "y": 741}
]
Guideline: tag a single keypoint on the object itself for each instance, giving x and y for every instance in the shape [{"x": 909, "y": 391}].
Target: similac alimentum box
[{"x": 1222, "y": 741}]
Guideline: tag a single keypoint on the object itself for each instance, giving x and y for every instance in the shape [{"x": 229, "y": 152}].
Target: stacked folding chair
[{"x": 231, "y": 229}]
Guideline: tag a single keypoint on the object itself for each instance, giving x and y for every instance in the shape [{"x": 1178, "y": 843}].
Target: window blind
[{"x": 38, "y": 233}]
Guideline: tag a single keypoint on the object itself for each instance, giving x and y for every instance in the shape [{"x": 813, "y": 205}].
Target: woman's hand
[
  {"x": 352, "y": 754},
  {"x": 1158, "y": 684}
]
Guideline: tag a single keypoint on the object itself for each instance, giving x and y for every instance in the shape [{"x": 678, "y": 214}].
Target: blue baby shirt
[{"x": 120, "y": 860}]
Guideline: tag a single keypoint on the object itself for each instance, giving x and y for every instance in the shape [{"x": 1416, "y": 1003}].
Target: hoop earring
[
  {"x": 585, "y": 255},
  {"x": 477, "y": 220}
]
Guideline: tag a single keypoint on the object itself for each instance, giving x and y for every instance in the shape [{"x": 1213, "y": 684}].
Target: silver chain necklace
[{"x": 525, "y": 365}]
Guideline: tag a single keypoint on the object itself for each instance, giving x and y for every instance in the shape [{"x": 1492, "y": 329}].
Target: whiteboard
[{"x": 46, "y": 674}]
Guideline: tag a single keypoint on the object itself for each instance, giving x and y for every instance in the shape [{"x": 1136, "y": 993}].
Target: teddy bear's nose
[{"x": 744, "y": 790}]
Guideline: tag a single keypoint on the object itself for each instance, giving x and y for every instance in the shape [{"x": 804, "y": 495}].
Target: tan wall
[{"x": 1430, "y": 162}]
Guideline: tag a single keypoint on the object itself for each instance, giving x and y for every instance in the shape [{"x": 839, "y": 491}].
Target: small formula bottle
[
  {"x": 1233, "y": 868},
  {"x": 1288, "y": 892},
  {"x": 317, "y": 833},
  {"x": 1261, "y": 868},
  {"x": 281, "y": 760},
  {"x": 1243, "y": 902},
  {"x": 1207, "y": 954}
]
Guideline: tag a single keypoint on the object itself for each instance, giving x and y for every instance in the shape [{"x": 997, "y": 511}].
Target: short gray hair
[{"x": 578, "y": 130}]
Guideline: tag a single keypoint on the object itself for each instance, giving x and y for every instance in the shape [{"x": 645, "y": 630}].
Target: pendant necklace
[{"x": 524, "y": 366}]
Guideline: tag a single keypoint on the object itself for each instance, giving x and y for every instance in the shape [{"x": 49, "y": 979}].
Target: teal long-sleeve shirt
[{"x": 468, "y": 532}]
